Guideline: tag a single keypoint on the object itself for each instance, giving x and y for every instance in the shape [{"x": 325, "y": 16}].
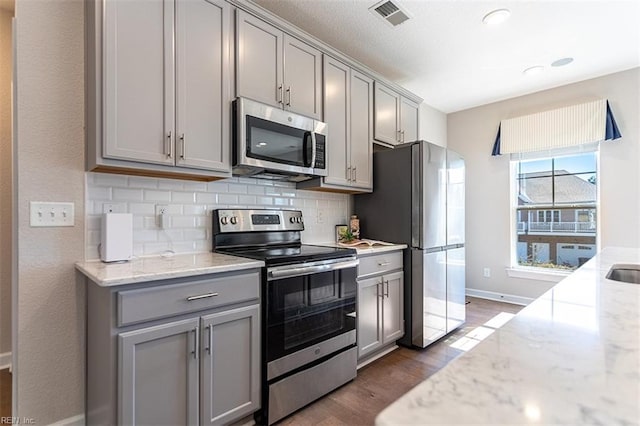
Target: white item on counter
[{"x": 117, "y": 237}]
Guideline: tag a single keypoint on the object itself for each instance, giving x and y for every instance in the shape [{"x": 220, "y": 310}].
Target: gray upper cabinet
[
  {"x": 396, "y": 117},
  {"x": 277, "y": 69},
  {"x": 159, "y": 86},
  {"x": 348, "y": 111},
  {"x": 158, "y": 375}
]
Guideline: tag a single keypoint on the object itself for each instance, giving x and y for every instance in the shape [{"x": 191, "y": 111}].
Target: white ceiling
[{"x": 446, "y": 55}]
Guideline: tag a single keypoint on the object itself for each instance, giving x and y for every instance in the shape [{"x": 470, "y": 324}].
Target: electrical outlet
[
  {"x": 114, "y": 208},
  {"x": 45, "y": 214},
  {"x": 161, "y": 215},
  {"x": 487, "y": 272},
  {"x": 320, "y": 217}
]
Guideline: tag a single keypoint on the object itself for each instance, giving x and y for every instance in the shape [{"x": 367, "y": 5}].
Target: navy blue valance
[{"x": 561, "y": 128}]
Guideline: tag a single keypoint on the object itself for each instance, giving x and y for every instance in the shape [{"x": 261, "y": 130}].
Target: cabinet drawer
[
  {"x": 163, "y": 301},
  {"x": 380, "y": 263}
]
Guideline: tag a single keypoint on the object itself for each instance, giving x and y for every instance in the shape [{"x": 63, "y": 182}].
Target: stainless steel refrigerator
[{"x": 418, "y": 200}]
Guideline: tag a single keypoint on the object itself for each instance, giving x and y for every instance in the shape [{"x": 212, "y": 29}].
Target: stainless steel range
[{"x": 308, "y": 307}]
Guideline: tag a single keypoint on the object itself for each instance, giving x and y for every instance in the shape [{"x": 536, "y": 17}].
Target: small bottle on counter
[{"x": 354, "y": 225}]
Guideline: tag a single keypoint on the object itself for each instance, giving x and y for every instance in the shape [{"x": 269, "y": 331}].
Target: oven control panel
[{"x": 255, "y": 220}]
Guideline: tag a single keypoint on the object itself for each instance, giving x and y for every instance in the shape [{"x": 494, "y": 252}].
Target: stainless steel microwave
[{"x": 272, "y": 143}]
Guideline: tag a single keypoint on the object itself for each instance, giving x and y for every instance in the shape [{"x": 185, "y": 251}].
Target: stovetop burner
[{"x": 272, "y": 236}]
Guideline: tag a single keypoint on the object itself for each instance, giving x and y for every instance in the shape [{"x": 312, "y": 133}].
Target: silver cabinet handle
[
  {"x": 399, "y": 137},
  {"x": 201, "y": 296},
  {"x": 279, "y": 94},
  {"x": 196, "y": 342},
  {"x": 378, "y": 285},
  {"x": 183, "y": 152},
  {"x": 209, "y": 329},
  {"x": 289, "y": 96},
  {"x": 355, "y": 174},
  {"x": 383, "y": 263},
  {"x": 349, "y": 173},
  {"x": 387, "y": 292},
  {"x": 169, "y": 147},
  {"x": 402, "y": 133}
]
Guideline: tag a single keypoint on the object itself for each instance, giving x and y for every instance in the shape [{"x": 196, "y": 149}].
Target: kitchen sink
[{"x": 627, "y": 273}]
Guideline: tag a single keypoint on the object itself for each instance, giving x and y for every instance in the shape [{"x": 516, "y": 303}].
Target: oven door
[
  {"x": 277, "y": 140},
  {"x": 310, "y": 313}
]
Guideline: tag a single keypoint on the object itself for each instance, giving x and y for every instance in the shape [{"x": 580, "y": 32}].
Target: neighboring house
[{"x": 561, "y": 229}]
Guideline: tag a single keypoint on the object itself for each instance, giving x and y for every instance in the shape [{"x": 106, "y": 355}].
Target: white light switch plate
[{"x": 52, "y": 214}]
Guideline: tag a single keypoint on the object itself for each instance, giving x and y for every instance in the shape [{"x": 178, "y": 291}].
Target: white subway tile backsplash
[
  {"x": 189, "y": 206},
  {"x": 206, "y": 198},
  {"x": 183, "y": 197},
  {"x": 150, "y": 195},
  {"x": 122, "y": 194}
]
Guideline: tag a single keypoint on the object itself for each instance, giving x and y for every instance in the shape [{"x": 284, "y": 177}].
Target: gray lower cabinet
[
  {"x": 230, "y": 365},
  {"x": 158, "y": 375},
  {"x": 198, "y": 364},
  {"x": 380, "y": 302}
]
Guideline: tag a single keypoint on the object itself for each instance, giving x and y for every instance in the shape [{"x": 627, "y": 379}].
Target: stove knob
[
  {"x": 224, "y": 220},
  {"x": 292, "y": 219},
  {"x": 299, "y": 219},
  {"x": 234, "y": 220}
]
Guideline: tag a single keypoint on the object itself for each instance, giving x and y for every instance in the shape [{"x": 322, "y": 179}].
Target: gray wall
[
  {"x": 50, "y": 113},
  {"x": 5, "y": 180},
  {"x": 472, "y": 133}
]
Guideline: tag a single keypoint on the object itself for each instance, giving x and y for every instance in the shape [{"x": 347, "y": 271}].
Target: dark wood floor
[
  {"x": 5, "y": 393},
  {"x": 385, "y": 380}
]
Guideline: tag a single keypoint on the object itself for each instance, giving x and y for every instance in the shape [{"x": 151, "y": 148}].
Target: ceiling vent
[{"x": 391, "y": 12}]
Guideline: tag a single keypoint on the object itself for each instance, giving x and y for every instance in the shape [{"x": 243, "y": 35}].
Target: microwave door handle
[
  {"x": 305, "y": 141},
  {"x": 313, "y": 150}
]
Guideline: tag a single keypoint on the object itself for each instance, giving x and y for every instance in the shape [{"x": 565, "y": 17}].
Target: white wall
[
  {"x": 190, "y": 205},
  {"x": 432, "y": 125},
  {"x": 50, "y": 354},
  {"x": 5, "y": 180},
  {"x": 488, "y": 234}
]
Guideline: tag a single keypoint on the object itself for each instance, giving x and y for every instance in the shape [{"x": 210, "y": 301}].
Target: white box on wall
[{"x": 117, "y": 237}]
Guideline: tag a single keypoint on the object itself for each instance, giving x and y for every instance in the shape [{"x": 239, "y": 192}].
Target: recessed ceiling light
[
  {"x": 561, "y": 62},
  {"x": 496, "y": 17},
  {"x": 533, "y": 70}
]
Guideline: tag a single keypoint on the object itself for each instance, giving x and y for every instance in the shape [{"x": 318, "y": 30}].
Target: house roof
[{"x": 536, "y": 188}]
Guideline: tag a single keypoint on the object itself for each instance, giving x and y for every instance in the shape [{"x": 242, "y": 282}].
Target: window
[{"x": 555, "y": 205}]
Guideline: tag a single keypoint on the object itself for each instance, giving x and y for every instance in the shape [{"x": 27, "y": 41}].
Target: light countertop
[
  {"x": 151, "y": 268},
  {"x": 571, "y": 357},
  {"x": 365, "y": 250}
]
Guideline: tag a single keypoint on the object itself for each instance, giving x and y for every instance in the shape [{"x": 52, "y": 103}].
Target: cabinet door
[
  {"x": 387, "y": 109},
  {"x": 361, "y": 113},
  {"x": 258, "y": 60},
  {"x": 158, "y": 375},
  {"x": 302, "y": 78},
  {"x": 138, "y": 81},
  {"x": 392, "y": 308},
  {"x": 230, "y": 365},
  {"x": 202, "y": 76},
  {"x": 336, "y": 107},
  {"x": 408, "y": 120},
  {"x": 369, "y": 328}
]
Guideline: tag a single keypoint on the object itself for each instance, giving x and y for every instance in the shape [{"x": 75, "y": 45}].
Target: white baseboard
[
  {"x": 5, "y": 360},
  {"x": 71, "y": 421},
  {"x": 378, "y": 355},
  {"x": 491, "y": 295}
]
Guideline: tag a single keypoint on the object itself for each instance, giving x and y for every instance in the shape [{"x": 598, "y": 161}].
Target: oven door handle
[{"x": 306, "y": 270}]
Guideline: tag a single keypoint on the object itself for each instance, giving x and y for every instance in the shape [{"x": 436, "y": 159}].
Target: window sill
[{"x": 537, "y": 274}]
